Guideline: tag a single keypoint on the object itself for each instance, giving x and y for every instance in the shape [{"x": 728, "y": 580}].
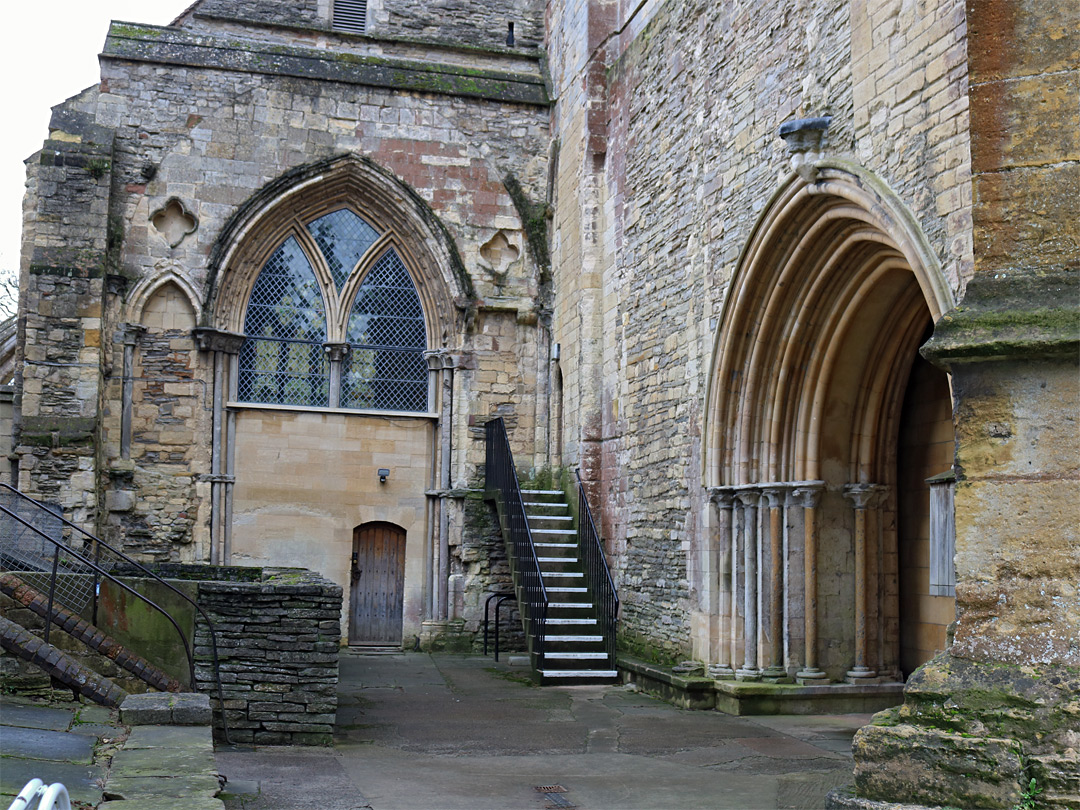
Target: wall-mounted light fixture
[
  {"x": 556, "y": 351},
  {"x": 383, "y": 475}
]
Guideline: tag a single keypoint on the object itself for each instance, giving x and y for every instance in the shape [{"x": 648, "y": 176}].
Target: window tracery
[{"x": 285, "y": 359}]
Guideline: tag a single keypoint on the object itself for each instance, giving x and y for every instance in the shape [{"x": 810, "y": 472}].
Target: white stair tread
[
  {"x": 576, "y": 656},
  {"x": 570, "y": 532},
  {"x": 557, "y": 559},
  {"x": 541, "y": 491},
  {"x": 570, "y": 621},
  {"x": 555, "y": 545},
  {"x": 574, "y": 574},
  {"x": 570, "y": 604},
  {"x": 583, "y": 639},
  {"x": 579, "y": 673},
  {"x": 563, "y": 518},
  {"x": 566, "y": 589},
  {"x": 546, "y": 503}
]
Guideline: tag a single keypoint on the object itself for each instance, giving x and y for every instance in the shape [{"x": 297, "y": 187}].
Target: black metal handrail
[
  {"x": 502, "y": 482},
  {"x": 600, "y": 583},
  {"x": 96, "y": 566}
]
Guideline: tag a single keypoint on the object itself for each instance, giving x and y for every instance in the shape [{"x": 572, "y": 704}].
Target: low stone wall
[{"x": 277, "y": 639}]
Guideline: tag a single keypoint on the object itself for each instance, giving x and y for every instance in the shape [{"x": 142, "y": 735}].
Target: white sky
[{"x": 50, "y": 54}]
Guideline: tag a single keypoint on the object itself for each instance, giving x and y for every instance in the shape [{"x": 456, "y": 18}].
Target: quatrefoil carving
[{"x": 174, "y": 222}]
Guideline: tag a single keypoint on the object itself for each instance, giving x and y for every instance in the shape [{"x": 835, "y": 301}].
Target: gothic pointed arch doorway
[{"x": 816, "y": 378}]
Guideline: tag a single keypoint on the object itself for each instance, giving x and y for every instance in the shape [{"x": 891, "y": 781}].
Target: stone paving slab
[
  {"x": 27, "y": 715},
  {"x": 82, "y": 781},
  {"x": 43, "y": 744},
  {"x": 145, "y": 788},
  {"x": 168, "y": 737},
  {"x": 187, "y": 803},
  {"x": 165, "y": 762},
  {"x": 452, "y": 732}
]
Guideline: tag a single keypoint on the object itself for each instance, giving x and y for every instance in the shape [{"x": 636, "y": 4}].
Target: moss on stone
[
  {"x": 1010, "y": 316},
  {"x": 534, "y": 221}
]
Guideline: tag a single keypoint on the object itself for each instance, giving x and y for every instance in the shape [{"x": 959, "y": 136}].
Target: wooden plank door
[{"x": 378, "y": 578}]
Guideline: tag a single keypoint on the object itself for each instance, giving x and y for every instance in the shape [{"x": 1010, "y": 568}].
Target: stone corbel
[
  {"x": 805, "y": 138},
  {"x": 336, "y": 352},
  {"x": 209, "y": 339},
  {"x": 130, "y": 333}
]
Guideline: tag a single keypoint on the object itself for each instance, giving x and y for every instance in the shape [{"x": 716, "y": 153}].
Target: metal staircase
[
  {"x": 574, "y": 646},
  {"x": 566, "y": 596}
]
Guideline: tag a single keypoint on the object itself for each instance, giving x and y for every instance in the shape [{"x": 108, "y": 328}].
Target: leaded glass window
[
  {"x": 282, "y": 362},
  {"x": 385, "y": 368},
  {"x": 343, "y": 238},
  {"x": 284, "y": 359}
]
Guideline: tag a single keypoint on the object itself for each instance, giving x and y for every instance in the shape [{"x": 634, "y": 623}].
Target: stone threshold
[{"x": 757, "y": 698}]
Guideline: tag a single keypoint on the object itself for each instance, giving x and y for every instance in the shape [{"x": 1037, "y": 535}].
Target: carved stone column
[
  {"x": 863, "y": 497},
  {"x": 129, "y": 334},
  {"x": 336, "y": 354},
  {"x": 775, "y": 672},
  {"x": 224, "y": 346},
  {"x": 749, "y": 671},
  {"x": 724, "y": 500},
  {"x": 808, "y": 494}
]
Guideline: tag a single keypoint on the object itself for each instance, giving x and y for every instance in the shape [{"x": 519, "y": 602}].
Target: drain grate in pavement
[{"x": 556, "y": 801}]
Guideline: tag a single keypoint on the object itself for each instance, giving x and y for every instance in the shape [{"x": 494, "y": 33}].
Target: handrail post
[{"x": 52, "y": 589}]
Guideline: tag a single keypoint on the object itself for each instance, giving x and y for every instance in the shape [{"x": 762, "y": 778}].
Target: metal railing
[
  {"x": 502, "y": 483},
  {"x": 597, "y": 572},
  {"x": 70, "y": 576}
]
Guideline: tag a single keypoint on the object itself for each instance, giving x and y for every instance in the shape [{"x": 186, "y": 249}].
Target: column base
[
  {"x": 776, "y": 675},
  {"x": 860, "y": 675},
  {"x": 748, "y": 674},
  {"x": 721, "y": 672},
  {"x": 811, "y": 676}
]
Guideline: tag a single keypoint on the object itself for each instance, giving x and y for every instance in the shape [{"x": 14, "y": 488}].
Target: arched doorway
[
  {"x": 377, "y": 582},
  {"x": 820, "y": 334}
]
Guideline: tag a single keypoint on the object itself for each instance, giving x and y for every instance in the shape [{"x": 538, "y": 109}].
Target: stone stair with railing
[{"x": 574, "y": 648}]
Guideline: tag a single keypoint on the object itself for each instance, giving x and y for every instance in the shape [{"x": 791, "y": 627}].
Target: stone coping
[{"x": 755, "y": 697}]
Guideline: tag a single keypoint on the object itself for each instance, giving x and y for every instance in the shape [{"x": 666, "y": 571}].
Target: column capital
[
  {"x": 807, "y": 494},
  {"x": 865, "y": 496},
  {"x": 750, "y": 495},
  {"x": 336, "y": 351},
  {"x": 723, "y": 497},
  {"x": 775, "y": 494}
]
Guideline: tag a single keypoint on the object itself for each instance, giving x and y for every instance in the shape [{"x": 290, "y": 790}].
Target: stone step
[
  {"x": 576, "y": 656},
  {"x": 574, "y": 639},
  {"x": 560, "y": 532},
  {"x": 556, "y": 560},
  {"x": 581, "y": 605},
  {"x": 555, "y": 545},
  {"x": 563, "y": 574},
  {"x": 565, "y": 622},
  {"x": 545, "y": 504},
  {"x": 572, "y": 674},
  {"x": 566, "y": 589},
  {"x": 560, "y": 518},
  {"x": 541, "y": 492}
]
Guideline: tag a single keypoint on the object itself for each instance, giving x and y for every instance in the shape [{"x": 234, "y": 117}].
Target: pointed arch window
[{"x": 370, "y": 356}]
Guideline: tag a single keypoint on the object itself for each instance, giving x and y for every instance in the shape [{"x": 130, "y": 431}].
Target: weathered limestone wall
[
  {"x": 694, "y": 97},
  {"x": 1003, "y": 696},
  {"x": 116, "y": 418},
  {"x": 468, "y": 22}
]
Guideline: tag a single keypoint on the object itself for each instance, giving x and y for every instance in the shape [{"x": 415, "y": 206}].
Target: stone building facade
[{"x": 793, "y": 283}]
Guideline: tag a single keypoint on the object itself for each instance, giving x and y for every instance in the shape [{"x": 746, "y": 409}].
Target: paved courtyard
[{"x": 434, "y": 732}]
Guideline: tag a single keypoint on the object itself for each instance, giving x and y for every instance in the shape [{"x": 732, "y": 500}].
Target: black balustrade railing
[
  {"x": 32, "y": 543},
  {"x": 597, "y": 572},
  {"x": 502, "y": 483}
]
